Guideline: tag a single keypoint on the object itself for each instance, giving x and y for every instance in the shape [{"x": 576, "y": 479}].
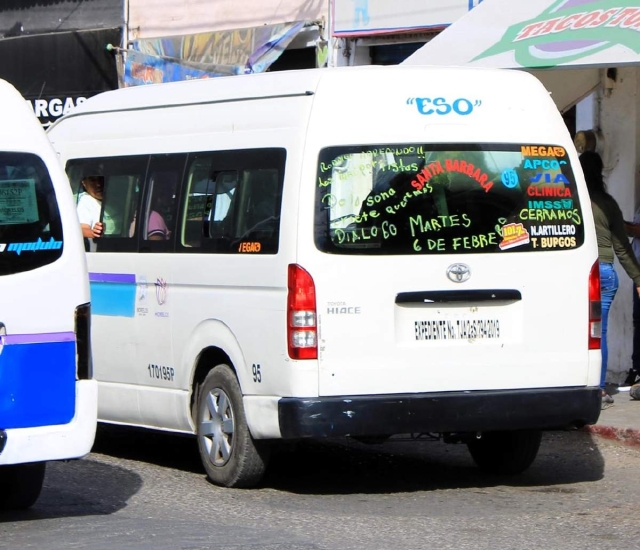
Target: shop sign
[
  {"x": 568, "y": 31},
  {"x": 48, "y": 110}
]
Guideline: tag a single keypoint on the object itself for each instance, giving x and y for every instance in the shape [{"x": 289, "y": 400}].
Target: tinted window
[
  {"x": 446, "y": 199},
  {"x": 162, "y": 189},
  {"x": 232, "y": 202},
  {"x": 123, "y": 181},
  {"x": 30, "y": 226}
]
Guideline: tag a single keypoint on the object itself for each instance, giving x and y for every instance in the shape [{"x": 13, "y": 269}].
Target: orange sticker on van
[
  {"x": 542, "y": 151},
  {"x": 513, "y": 234},
  {"x": 249, "y": 247}
]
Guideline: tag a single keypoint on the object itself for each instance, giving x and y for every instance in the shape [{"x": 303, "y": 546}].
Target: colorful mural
[{"x": 207, "y": 55}]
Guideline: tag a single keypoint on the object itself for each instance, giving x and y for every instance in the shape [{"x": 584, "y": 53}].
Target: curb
[{"x": 627, "y": 436}]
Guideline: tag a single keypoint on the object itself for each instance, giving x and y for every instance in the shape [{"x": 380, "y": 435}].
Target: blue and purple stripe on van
[
  {"x": 113, "y": 294},
  {"x": 37, "y": 379}
]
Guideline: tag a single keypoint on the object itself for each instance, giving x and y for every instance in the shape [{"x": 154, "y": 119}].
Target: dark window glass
[
  {"x": 232, "y": 202},
  {"x": 446, "y": 199},
  {"x": 123, "y": 178},
  {"x": 161, "y": 191},
  {"x": 30, "y": 226}
]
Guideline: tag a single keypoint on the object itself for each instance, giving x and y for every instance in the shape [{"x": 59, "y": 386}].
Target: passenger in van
[
  {"x": 157, "y": 229},
  {"x": 612, "y": 239},
  {"x": 90, "y": 205}
]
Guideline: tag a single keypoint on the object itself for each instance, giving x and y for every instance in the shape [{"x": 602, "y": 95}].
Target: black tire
[
  {"x": 20, "y": 485},
  {"x": 505, "y": 453},
  {"x": 229, "y": 454}
]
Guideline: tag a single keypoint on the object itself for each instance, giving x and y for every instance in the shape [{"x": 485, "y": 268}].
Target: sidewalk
[{"x": 621, "y": 421}]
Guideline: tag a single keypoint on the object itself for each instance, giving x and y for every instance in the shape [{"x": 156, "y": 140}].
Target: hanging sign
[{"x": 540, "y": 34}]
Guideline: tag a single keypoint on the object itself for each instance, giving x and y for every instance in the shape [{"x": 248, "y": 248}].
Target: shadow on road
[
  {"x": 346, "y": 467},
  {"x": 160, "y": 448},
  {"x": 80, "y": 488}
]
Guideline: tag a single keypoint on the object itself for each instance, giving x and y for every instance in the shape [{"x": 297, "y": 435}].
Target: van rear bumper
[{"x": 450, "y": 412}]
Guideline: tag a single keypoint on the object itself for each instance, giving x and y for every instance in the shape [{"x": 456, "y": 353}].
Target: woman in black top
[{"x": 612, "y": 239}]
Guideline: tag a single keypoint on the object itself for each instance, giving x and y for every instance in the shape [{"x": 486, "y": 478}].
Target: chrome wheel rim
[{"x": 217, "y": 427}]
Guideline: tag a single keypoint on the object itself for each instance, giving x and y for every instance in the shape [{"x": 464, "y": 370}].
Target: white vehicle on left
[{"x": 48, "y": 399}]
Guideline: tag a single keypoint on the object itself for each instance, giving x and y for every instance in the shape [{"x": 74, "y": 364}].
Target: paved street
[{"x": 142, "y": 490}]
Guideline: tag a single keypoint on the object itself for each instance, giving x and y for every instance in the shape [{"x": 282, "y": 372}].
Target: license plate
[{"x": 457, "y": 329}]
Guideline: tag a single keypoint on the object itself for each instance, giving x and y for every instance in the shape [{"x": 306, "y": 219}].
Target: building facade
[{"x": 55, "y": 52}]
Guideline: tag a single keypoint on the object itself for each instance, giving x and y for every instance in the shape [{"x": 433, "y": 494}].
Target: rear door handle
[{"x": 449, "y": 296}]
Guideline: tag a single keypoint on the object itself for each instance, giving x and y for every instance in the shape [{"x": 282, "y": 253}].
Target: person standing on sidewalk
[{"x": 612, "y": 240}]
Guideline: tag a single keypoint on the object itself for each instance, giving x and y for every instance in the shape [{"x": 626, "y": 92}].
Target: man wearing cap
[{"x": 90, "y": 205}]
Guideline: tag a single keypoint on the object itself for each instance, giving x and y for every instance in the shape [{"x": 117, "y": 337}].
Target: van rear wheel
[
  {"x": 505, "y": 453},
  {"x": 229, "y": 454},
  {"x": 20, "y": 485}
]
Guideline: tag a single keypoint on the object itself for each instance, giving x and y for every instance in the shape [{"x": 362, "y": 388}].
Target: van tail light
[
  {"x": 84, "y": 363},
  {"x": 595, "y": 308},
  {"x": 302, "y": 333}
]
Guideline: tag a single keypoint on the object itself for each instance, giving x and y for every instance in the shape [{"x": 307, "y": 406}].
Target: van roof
[
  {"x": 19, "y": 127},
  {"x": 262, "y": 85}
]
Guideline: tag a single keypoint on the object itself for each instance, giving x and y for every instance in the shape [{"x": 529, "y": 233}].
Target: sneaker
[{"x": 632, "y": 378}]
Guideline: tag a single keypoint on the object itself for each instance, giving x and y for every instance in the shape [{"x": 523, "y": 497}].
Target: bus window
[{"x": 29, "y": 216}]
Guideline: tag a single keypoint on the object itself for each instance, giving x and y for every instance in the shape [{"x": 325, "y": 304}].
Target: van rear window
[
  {"x": 446, "y": 199},
  {"x": 30, "y": 226}
]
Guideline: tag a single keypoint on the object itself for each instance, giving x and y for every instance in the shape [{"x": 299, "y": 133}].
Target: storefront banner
[
  {"x": 539, "y": 34},
  {"x": 154, "y": 18},
  {"x": 141, "y": 69},
  {"x": 369, "y": 17},
  {"x": 207, "y": 55}
]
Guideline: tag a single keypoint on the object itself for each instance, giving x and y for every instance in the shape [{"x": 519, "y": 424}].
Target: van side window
[
  {"x": 123, "y": 180},
  {"x": 233, "y": 202},
  {"x": 220, "y": 212},
  {"x": 160, "y": 206},
  {"x": 158, "y": 221}
]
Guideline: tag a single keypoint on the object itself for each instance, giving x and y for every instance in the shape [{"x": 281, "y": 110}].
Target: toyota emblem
[{"x": 458, "y": 273}]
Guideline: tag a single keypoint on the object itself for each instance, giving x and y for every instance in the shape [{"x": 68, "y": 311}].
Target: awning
[
  {"x": 207, "y": 55},
  {"x": 581, "y": 36}
]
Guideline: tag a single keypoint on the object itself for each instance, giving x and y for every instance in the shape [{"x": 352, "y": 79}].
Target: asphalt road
[{"x": 142, "y": 490}]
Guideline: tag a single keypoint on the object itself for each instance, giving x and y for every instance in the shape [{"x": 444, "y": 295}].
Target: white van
[
  {"x": 360, "y": 252},
  {"x": 48, "y": 400}
]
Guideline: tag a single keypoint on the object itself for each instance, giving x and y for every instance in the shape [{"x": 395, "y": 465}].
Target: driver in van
[{"x": 90, "y": 205}]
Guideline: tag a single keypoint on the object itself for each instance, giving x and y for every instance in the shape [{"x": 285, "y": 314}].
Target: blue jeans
[{"x": 608, "y": 289}]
